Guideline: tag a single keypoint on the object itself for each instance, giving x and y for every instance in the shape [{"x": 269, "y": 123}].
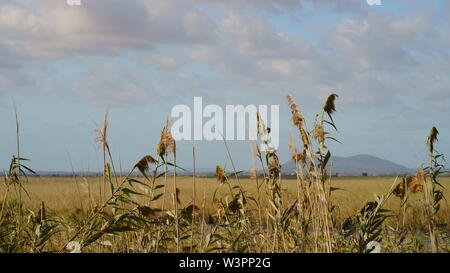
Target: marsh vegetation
[{"x": 159, "y": 211}]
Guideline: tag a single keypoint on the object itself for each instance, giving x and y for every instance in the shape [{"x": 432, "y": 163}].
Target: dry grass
[
  {"x": 63, "y": 194},
  {"x": 156, "y": 211}
]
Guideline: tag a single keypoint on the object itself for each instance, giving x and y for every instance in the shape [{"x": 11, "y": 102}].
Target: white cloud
[
  {"x": 107, "y": 83},
  {"x": 370, "y": 57},
  {"x": 163, "y": 62},
  {"x": 51, "y": 29}
]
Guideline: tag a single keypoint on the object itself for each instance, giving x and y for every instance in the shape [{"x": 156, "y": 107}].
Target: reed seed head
[
  {"x": 417, "y": 182},
  {"x": 432, "y": 138},
  {"x": 143, "y": 164},
  {"x": 221, "y": 175},
  {"x": 166, "y": 142},
  {"x": 329, "y": 106},
  {"x": 261, "y": 127},
  {"x": 318, "y": 132},
  {"x": 297, "y": 117}
]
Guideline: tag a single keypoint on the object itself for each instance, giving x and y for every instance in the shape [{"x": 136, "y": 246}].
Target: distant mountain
[
  {"x": 352, "y": 166},
  {"x": 357, "y": 165}
]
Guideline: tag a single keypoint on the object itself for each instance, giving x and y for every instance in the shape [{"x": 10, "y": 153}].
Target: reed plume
[{"x": 222, "y": 177}]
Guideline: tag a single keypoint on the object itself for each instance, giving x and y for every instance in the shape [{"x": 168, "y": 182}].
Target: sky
[{"x": 65, "y": 65}]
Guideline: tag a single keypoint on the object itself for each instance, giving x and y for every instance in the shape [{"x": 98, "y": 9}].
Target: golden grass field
[
  {"x": 71, "y": 194},
  {"x": 163, "y": 212}
]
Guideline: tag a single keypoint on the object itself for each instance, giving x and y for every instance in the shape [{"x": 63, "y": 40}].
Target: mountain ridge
[{"x": 360, "y": 164}]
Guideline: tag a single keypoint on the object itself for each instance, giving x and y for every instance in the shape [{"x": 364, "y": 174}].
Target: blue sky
[{"x": 65, "y": 65}]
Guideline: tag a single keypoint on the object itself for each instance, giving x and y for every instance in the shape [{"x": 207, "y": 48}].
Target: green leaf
[
  {"x": 327, "y": 157},
  {"x": 157, "y": 197},
  {"x": 128, "y": 192}
]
